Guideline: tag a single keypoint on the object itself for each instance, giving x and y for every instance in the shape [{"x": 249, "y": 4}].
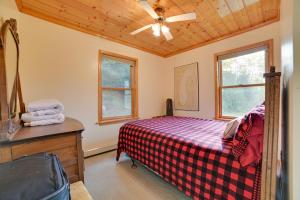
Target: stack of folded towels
[{"x": 44, "y": 112}]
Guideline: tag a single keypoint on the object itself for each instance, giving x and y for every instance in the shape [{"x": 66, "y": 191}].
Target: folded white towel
[
  {"x": 46, "y": 104},
  {"x": 53, "y": 111},
  {"x": 29, "y": 117},
  {"x": 58, "y": 120}
]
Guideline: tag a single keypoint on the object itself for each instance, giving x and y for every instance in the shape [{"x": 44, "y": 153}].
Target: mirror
[
  {"x": 11, "y": 102},
  {"x": 11, "y": 68}
]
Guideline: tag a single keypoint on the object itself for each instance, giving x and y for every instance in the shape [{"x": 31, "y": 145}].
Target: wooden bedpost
[{"x": 271, "y": 132}]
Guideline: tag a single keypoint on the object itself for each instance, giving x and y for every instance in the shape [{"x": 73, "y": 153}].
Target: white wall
[
  {"x": 286, "y": 31},
  {"x": 296, "y": 135},
  {"x": 57, "y": 62},
  {"x": 296, "y": 115},
  {"x": 295, "y": 140},
  {"x": 205, "y": 58},
  {"x": 290, "y": 45}
]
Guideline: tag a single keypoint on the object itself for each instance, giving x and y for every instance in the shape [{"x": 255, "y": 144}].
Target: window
[
  {"x": 117, "y": 88},
  {"x": 240, "y": 84}
]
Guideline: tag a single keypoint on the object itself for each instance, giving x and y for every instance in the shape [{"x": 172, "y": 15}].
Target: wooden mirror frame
[{"x": 5, "y": 106}]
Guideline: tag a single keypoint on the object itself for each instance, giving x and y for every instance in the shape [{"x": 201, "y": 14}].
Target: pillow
[
  {"x": 248, "y": 141},
  {"x": 231, "y": 128}
]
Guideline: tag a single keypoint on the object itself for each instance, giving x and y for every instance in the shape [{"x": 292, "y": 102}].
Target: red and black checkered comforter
[{"x": 191, "y": 154}]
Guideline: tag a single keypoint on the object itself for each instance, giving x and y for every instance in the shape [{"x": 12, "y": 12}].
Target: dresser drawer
[
  {"x": 50, "y": 144},
  {"x": 5, "y": 154},
  {"x": 71, "y": 171},
  {"x": 68, "y": 156}
]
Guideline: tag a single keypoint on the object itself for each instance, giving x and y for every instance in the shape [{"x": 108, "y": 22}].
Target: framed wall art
[{"x": 186, "y": 85}]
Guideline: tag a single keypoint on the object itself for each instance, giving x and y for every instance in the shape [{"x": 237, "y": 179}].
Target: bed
[{"x": 191, "y": 154}]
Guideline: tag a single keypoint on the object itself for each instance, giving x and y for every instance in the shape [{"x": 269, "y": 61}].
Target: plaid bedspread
[{"x": 191, "y": 154}]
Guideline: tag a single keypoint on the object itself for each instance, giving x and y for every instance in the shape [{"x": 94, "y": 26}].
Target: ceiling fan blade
[
  {"x": 167, "y": 34},
  {"x": 141, "y": 29},
  {"x": 183, "y": 17},
  {"x": 148, "y": 8}
]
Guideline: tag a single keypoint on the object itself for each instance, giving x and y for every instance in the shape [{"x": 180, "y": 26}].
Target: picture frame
[{"x": 186, "y": 87}]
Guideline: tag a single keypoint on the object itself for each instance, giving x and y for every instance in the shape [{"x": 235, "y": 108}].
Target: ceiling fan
[{"x": 157, "y": 13}]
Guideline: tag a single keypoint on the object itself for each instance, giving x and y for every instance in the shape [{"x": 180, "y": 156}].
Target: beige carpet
[{"x": 108, "y": 180}]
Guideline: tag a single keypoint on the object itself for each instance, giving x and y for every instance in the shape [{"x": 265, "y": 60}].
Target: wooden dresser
[{"x": 64, "y": 140}]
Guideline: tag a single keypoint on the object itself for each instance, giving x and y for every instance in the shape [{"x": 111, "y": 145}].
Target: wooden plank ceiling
[{"x": 115, "y": 19}]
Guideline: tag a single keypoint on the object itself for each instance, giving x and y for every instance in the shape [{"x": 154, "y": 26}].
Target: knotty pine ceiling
[{"x": 115, "y": 19}]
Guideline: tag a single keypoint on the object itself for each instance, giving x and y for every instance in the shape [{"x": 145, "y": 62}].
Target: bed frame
[{"x": 270, "y": 151}]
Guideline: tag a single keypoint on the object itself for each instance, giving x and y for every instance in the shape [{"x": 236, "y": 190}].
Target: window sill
[
  {"x": 224, "y": 118},
  {"x": 116, "y": 120}
]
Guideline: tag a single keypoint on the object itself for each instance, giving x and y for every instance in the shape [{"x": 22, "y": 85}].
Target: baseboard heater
[{"x": 95, "y": 151}]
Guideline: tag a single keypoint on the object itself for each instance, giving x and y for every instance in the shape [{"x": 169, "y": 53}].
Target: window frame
[
  {"x": 133, "y": 88},
  {"x": 268, "y": 45}
]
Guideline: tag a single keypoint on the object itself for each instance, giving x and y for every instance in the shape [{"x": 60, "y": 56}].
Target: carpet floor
[{"x": 108, "y": 180}]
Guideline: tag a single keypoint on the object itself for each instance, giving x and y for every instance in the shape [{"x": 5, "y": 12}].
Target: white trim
[{"x": 99, "y": 150}]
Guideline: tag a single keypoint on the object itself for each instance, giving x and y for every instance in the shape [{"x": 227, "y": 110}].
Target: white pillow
[{"x": 231, "y": 128}]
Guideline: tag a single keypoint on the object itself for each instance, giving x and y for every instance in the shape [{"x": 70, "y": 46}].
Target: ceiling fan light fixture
[
  {"x": 156, "y": 29},
  {"x": 165, "y": 29},
  {"x": 156, "y": 33}
]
